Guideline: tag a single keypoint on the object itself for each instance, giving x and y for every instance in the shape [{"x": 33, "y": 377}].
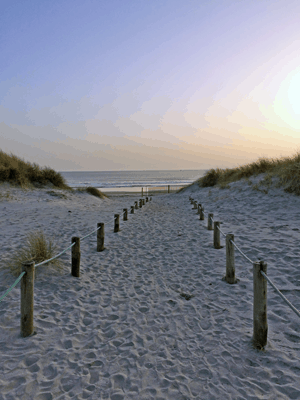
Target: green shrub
[{"x": 95, "y": 192}]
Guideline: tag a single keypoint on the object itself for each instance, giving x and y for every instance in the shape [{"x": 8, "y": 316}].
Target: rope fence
[
  {"x": 28, "y": 267},
  {"x": 260, "y": 277}
]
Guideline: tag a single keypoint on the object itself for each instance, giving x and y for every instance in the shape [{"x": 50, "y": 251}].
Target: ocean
[{"x": 132, "y": 181}]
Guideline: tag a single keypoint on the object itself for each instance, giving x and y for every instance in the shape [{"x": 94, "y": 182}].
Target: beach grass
[
  {"x": 38, "y": 248},
  {"x": 93, "y": 191},
  {"x": 16, "y": 171},
  {"x": 285, "y": 169}
]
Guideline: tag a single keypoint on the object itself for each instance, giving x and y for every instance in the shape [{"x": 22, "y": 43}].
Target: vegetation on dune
[
  {"x": 93, "y": 191},
  {"x": 16, "y": 171},
  {"x": 286, "y": 169},
  {"x": 37, "y": 248}
]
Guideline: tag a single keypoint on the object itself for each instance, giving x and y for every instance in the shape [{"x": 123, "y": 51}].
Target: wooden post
[
  {"x": 100, "y": 237},
  {"x": 209, "y": 222},
  {"x": 199, "y": 209},
  {"x": 125, "y": 214},
  {"x": 191, "y": 199},
  {"x": 150, "y": 198},
  {"x": 136, "y": 205},
  {"x": 76, "y": 257},
  {"x": 141, "y": 203},
  {"x": 230, "y": 266},
  {"x": 217, "y": 241},
  {"x": 117, "y": 223},
  {"x": 147, "y": 199},
  {"x": 260, "y": 323},
  {"x": 27, "y": 290},
  {"x": 195, "y": 205},
  {"x": 168, "y": 188},
  {"x": 131, "y": 209},
  {"x": 142, "y": 192},
  {"x": 202, "y": 213}
]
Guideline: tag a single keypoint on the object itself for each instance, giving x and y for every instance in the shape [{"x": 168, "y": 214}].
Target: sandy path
[{"x": 123, "y": 330}]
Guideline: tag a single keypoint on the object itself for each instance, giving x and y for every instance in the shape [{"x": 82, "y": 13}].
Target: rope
[
  {"x": 53, "y": 258},
  {"x": 16, "y": 282},
  {"x": 90, "y": 233},
  {"x": 221, "y": 231},
  {"x": 280, "y": 294},
  {"x": 241, "y": 252}
]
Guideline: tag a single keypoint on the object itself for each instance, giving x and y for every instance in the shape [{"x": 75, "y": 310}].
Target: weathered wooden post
[
  {"x": 191, "y": 200},
  {"x": 142, "y": 192},
  {"x": 136, "y": 205},
  {"x": 131, "y": 209},
  {"x": 100, "y": 237},
  {"x": 199, "y": 209},
  {"x": 168, "y": 188},
  {"x": 217, "y": 241},
  {"x": 210, "y": 222},
  {"x": 260, "y": 323},
  {"x": 76, "y": 257},
  {"x": 27, "y": 291},
  {"x": 195, "y": 205},
  {"x": 117, "y": 223},
  {"x": 230, "y": 265},
  {"x": 202, "y": 213},
  {"x": 147, "y": 199},
  {"x": 125, "y": 214},
  {"x": 141, "y": 203}
]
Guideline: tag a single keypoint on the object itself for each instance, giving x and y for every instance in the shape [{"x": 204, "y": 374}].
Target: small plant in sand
[{"x": 37, "y": 247}]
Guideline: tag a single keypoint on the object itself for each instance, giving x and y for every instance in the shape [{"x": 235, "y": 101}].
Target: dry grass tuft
[
  {"x": 37, "y": 248},
  {"x": 93, "y": 191},
  {"x": 287, "y": 169}
]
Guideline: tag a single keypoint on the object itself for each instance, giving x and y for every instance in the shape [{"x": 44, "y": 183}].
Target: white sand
[{"x": 122, "y": 330}]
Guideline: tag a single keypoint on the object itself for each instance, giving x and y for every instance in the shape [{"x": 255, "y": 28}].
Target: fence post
[
  {"x": 136, "y": 205},
  {"x": 202, "y": 213},
  {"x": 209, "y": 222},
  {"x": 151, "y": 198},
  {"x": 141, "y": 203},
  {"x": 195, "y": 205},
  {"x": 168, "y": 188},
  {"x": 27, "y": 289},
  {"x": 76, "y": 257},
  {"x": 125, "y": 214},
  {"x": 147, "y": 199},
  {"x": 132, "y": 210},
  {"x": 217, "y": 241},
  {"x": 100, "y": 237},
  {"x": 199, "y": 209},
  {"x": 260, "y": 323},
  {"x": 142, "y": 192},
  {"x": 191, "y": 200},
  {"x": 230, "y": 266},
  {"x": 117, "y": 223}
]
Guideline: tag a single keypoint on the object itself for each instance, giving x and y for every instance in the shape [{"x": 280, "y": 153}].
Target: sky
[{"x": 147, "y": 85}]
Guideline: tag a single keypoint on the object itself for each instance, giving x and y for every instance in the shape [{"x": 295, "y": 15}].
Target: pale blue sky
[{"x": 108, "y": 85}]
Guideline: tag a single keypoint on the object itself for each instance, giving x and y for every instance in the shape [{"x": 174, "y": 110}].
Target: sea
[{"x": 132, "y": 181}]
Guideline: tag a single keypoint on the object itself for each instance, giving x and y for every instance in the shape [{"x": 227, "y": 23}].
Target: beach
[{"x": 150, "y": 317}]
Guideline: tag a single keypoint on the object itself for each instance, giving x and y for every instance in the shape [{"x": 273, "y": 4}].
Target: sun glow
[{"x": 287, "y": 101}]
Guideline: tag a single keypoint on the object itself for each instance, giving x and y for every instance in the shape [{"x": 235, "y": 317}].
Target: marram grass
[
  {"x": 286, "y": 169},
  {"x": 16, "y": 171},
  {"x": 36, "y": 247}
]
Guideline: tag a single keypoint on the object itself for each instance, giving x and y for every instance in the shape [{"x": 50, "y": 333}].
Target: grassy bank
[
  {"x": 16, "y": 171},
  {"x": 285, "y": 169}
]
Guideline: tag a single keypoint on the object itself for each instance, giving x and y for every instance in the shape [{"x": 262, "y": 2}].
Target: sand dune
[{"x": 125, "y": 329}]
